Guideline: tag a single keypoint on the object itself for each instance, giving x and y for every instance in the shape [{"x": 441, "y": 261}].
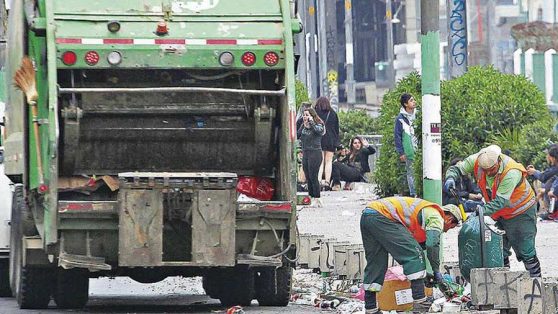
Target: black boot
[
  {"x": 507, "y": 261},
  {"x": 533, "y": 266},
  {"x": 370, "y": 304}
]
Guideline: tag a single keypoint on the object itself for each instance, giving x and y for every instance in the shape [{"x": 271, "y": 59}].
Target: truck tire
[
  {"x": 272, "y": 292},
  {"x": 72, "y": 288},
  {"x": 211, "y": 283},
  {"x": 31, "y": 286},
  {"x": 237, "y": 287},
  {"x": 5, "y": 289}
]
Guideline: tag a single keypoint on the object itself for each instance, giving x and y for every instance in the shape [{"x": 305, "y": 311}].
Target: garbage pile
[{"x": 347, "y": 296}]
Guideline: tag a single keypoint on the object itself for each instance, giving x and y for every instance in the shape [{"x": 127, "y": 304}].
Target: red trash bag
[{"x": 256, "y": 187}]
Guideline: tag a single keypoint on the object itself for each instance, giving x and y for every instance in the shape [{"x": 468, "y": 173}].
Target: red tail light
[
  {"x": 162, "y": 28},
  {"x": 43, "y": 188},
  {"x": 271, "y": 58},
  {"x": 91, "y": 57},
  {"x": 248, "y": 58},
  {"x": 306, "y": 200},
  {"x": 69, "y": 58}
]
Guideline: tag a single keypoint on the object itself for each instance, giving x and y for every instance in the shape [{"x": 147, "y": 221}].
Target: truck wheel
[
  {"x": 30, "y": 285},
  {"x": 5, "y": 290},
  {"x": 273, "y": 287},
  {"x": 211, "y": 284},
  {"x": 237, "y": 287},
  {"x": 72, "y": 288}
]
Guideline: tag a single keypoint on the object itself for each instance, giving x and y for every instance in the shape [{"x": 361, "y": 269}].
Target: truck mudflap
[{"x": 177, "y": 219}]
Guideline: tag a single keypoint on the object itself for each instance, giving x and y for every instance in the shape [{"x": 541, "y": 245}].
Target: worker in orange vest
[
  {"x": 510, "y": 201},
  {"x": 402, "y": 226}
]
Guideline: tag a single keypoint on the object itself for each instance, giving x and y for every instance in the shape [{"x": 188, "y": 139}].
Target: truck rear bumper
[{"x": 154, "y": 225}]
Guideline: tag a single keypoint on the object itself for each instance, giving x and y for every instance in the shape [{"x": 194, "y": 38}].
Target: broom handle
[{"x": 35, "y": 116}]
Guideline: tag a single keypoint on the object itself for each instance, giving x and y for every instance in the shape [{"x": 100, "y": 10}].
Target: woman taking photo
[
  {"x": 310, "y": 134},
  {"x": 330, "y": 140},
  {"x": 355, "y": 165}
]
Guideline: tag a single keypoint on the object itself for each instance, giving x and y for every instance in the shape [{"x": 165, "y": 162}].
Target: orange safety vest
[
  {"x": 523, "y": 196},
  {"x": 405, "y": 210}
]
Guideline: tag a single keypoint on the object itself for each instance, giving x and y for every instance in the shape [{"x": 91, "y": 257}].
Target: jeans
[
  {"x": 311, "y": 162},
  {"x": 410, "y": 177}
]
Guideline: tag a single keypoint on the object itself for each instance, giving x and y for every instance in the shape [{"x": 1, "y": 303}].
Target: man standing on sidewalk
[
  {"x": 405, "y": 140},
  {"x": 401, "y": 226},
  {"x": 509, "y": 198}
]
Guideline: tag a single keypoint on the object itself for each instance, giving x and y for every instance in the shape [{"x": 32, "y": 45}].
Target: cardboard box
[{"x": 395, "y": 295}]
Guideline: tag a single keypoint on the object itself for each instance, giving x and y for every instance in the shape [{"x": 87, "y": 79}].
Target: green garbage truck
[{"x": 160, "y": 143}]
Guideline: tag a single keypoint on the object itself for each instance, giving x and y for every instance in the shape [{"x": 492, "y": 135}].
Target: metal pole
[
  {"x": 431, "y": 119},
  {"x": 349, "y": 57},
  {"x": 457, "y": 37},
  {"x": 389, "y": 43},
  {"x": 322, "y": 44}
]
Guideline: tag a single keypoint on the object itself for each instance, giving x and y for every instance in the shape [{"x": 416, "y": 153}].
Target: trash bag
[{"x": 256, "y": 187}]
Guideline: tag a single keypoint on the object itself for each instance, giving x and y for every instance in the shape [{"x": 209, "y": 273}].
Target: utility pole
[
  {"x": 457, "y": 37},
  {"x": 329, "y": 77},
  {"x": 431, "y": 105},
  {"x": 349, "y": 57},
  {"x": 389, "y": 43}
]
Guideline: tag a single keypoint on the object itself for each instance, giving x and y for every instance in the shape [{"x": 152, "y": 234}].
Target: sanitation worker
[
  {"x": 510, "y": 201},
  {"x": 401, "y": 226}
]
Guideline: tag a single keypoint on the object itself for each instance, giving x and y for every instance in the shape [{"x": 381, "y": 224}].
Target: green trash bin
[{"x": 479, "y": 246}]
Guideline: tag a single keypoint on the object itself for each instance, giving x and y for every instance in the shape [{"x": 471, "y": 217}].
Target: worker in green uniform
[
  {"x": 510, "y": 201},
  {"x": 401, "y": 226}
]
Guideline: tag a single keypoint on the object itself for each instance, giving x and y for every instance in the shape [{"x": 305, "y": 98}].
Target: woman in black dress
[{"x": 330, "y": 140}]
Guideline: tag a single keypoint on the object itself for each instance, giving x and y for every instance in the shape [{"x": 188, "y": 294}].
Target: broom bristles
[{"x": 25, "y": 80}]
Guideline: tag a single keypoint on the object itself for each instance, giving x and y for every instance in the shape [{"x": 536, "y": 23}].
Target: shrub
[
  {"x": 301, "y": 94},
  {"x": 355, "y": 122},
  {"x": 479, "y": 108}
]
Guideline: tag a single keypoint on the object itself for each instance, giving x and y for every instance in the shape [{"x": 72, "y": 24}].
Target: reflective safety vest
[
  {"x": 405, "y": 210},
  {"x": 523, "y": 196}
]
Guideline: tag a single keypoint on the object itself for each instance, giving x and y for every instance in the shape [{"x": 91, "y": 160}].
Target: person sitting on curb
[
  {"x": 401, "y": 226},
  {"x": 355, "y": 164},
  {"x": 468, "y": 192},
  {"x": 547, "y": 178}
]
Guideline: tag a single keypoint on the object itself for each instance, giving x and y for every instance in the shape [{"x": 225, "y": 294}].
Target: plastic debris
[{"x": 237, "y": 309}]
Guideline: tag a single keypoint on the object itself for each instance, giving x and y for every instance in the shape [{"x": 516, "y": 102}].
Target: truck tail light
[
  {"x": 226, "y": 58},
  {"x": 91, "y": 57},
  {"x": 271, "y": 58},
  {"x": 69, "y": 58},
  {"x": 162, "y": 28},
  {"x": 248, "y": 58}
]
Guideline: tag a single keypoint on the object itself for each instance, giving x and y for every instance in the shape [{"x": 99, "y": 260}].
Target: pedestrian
[
  {"x": 547, "y": 178},
  {"x": 510, "y": 201},
  {"x": 310, "y": 134},
  {"x": 402, "y": 227},
  {"x": 465, "y": 189},
  {"x": 404, "y": 137},
  {"x": 354, "y": 166},
  {"x": 329, "y": 141}
]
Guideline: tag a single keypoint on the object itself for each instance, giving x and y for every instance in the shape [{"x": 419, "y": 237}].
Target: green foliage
[
  {"x": 301, "y": 93},
  {"x": 355, "y": 122},
  {"x": 480, "y": 108}
]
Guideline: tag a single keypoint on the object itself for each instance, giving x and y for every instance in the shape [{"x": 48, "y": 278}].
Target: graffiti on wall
[{"x": 457, "y": 24}]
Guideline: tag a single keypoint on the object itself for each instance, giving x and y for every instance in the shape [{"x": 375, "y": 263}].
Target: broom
[{"x": 25, "y": 81}]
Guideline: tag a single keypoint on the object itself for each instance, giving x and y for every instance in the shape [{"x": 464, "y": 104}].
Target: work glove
[
  {"x": 438, "y": 278},
  {"x": 433, "y": 279},
  {"x": 449, "y": 184}
]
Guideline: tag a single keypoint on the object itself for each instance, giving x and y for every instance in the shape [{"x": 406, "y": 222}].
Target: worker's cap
[
  {"x": 454, "y": 210},
  {"x": 488, "y": 156}
]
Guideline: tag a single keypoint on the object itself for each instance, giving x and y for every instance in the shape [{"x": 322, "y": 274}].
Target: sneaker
[
  {"x": 372, "y": 311},
  {"x": 336, "y": 187},
  {"x": 422, "y": 305}
]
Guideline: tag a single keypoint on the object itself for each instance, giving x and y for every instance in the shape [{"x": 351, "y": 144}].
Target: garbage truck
[{"x": 150, "y": 139}]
